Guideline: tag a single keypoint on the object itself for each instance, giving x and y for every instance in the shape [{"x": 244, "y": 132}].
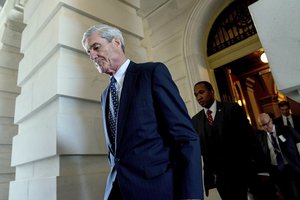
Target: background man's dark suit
[
  {"x": 291, "y": 154},
  {"x": 285, "y": 110},
  {"x": 296, "y": 121},
  {"x": 229, "y": 155},
  {"x": 158, "y": 150}
]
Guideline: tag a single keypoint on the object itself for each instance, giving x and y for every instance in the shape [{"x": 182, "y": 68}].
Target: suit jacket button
[{"x": 117, "y": 160}]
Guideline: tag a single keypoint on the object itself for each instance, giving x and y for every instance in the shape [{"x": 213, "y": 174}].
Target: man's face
[
  {"x": 204, "y": 97},
  {"x": 285, "y": 110},
  {"x": 266, "y": 123},
  {"x": 102, "y": 53}
]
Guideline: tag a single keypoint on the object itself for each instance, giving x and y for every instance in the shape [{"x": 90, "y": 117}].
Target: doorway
[{"x": 248, "y": 81}]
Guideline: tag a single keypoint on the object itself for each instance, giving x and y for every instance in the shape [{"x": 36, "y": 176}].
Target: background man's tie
[
  {"x": 113, "y": 110},
  {"x": 209, "y": 117},
  {"x": 279, "y": 158},
  {"x": 288, "y": 122}
]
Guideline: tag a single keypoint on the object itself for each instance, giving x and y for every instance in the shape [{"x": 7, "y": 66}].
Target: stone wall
[
  {"x": 11, "y": 26},
  {"x": 59, "y": 152}
]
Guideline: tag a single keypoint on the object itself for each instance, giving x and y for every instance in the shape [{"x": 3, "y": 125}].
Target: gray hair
[{"x": 105, "y": 31}]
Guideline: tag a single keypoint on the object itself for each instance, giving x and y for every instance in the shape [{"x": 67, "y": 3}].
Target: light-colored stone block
[
  {"x": 9, "y": 59},
  {"x": 175, "y": 67},
  {"x": 134, "y": 3},
  {"x": 42, "y": 11},
  {"x": 4, "y": 178},
  {"x": 4, "y": 187},
  {"x": 35, "y": 189},
  {"x": 24, "y": 171},
  {"x": 37, "y": 15},
  {"x": 37, "y": 136},
  {"x": 39, "y": 89},
  {"x": 8, "y": 80},
  {"x": 7, "y": 130},
  {"x": 44, "y": 188},
  {"x": 48, "y": 132},
  {"x": 87, "y": 186},
  {"x": 162, "y": 51},
  {"x": 163, "y": 27},
  {"x": 66, "y": 31},
  {"x": 15, "y": 20},
  {"x": 18, "y": 190},
  {"x": 34, "y": 58},
  {"x": 12, "y": 38},
  {"x": 132, "y": 24},
  {"x": 30, "y": 8},
  {"x": 85, "y": 136},
  {"x": 7, "y": 104},
  {"x": 134, "y": 48},
  {"x": 77, "y": 76},
  {"x": 81, "y": 177},
  {"x": 66, "y": 73},
  {"x": 5, "y": 157},
  {"x": 44, "y": 168},
  {"x": 71, "y": 165},
  {"x": 23, "y": 103}
]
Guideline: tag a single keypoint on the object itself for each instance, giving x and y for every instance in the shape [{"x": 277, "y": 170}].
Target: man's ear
[{"x": 116, "y": 41}]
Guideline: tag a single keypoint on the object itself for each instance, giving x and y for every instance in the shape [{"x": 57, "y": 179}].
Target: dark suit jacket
[
  {"x": 296, "y": 120},
  {"x": 288, "y": 148},
  {"x": 236, "y": 149},
  {"x": 158, "y": 152}
]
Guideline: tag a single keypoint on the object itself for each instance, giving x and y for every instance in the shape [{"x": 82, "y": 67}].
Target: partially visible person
[
  {"x": 281, "y": 153},
  {"x": 153, "y": 149},
  {"x": 228, "y": 144},
  {"x": 287, "y": 118}
]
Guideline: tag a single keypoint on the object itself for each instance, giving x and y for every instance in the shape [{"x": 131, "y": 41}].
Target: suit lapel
[
  {"x": 126, "y": 97},
  {"x": 202, "y": 119},
  {"x": 219, "y": 117},
  {"x": 104, "y": 102}
]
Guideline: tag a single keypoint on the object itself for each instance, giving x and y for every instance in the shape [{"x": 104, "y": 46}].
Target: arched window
[{"x": 233, "y": 25}]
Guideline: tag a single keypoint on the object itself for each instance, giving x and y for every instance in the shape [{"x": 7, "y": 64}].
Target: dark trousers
[
  {"x": 288, "y": 182},
  {"x": 263, "y": 188},
  {"x": 115, "y": 193},
  {"x": 232, "y": 188}
]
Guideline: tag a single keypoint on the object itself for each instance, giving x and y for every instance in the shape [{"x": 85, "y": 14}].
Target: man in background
[
  {"x": 287, "y": 118},
  {"x": 228, "y": 144},
  {"x": 279, "y": 144}
]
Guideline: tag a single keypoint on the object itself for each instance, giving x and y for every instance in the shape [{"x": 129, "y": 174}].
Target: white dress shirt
[{"x": 213, "y": 109}]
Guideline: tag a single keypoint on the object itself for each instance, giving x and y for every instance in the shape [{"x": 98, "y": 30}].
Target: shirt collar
[
  {"x": 213, "y": 108},
  {"x": 119, "y": 75}
]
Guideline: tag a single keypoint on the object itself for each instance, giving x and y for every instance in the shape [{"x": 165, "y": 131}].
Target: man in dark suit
[
  {"x": 279, "y": 144},
  {"x": 227, "y": 144},
  {"x": 154, "y": 150},
  {"x": 287, "y": 118}
]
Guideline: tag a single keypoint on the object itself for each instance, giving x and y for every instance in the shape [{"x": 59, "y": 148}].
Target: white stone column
[
  {"x": 278, "y": 26},
  {"x": 60, "y": 151},
  {"x": 11, "y": 26}
]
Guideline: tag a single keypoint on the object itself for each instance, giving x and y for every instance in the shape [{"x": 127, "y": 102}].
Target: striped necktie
[
  {"x": 279, "y": 157},
  {"x": 113, "y": 110},
  {"x": 209, "y": 117},
  {"x": 288, "y": 121}
]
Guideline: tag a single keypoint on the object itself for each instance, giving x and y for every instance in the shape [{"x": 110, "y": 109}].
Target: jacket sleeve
[{"x": 180, "y": 131}]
